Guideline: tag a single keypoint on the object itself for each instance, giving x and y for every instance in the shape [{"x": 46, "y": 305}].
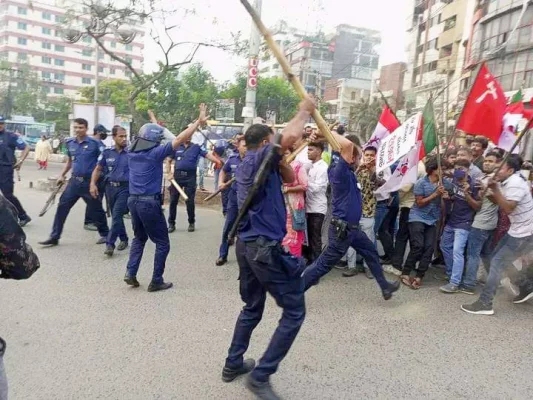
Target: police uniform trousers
[
  {"x": 117, "y": 194},
  {"x": 224, "y": 195},
  {"x": 337, "y": 248},
  {"x": 187, "y": 180},
  {"x": 148, "y": 222},
  {"x": 231, "y": 216},
  {"x": 7, "y": 186},
  {"x": 280, "y": 277},
  {"x": 89, "y": 210},
  {"x": 78, "y": 187}
]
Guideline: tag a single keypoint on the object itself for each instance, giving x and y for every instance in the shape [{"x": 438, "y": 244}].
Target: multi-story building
[
  {"x": 390, "y": 83},
  {"x": 30, "y": 33},
  {"x": 342, "y": 96}
]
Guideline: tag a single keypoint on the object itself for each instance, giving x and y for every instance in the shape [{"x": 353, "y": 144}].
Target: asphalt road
[{"x": 76, "y": 331}]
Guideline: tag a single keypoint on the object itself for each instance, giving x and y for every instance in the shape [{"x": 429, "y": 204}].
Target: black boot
[
  {"x": 109, "y": 250},
  {"x": 49, "y": 242},
  {"x": 155, "y": 287},
  {"x": 122, "y": 245},
  {"x": 393, "y": 287},
  {"x": 171, "y": 228},
  {"x": 229, "y": 374},
  {"x": 191, "y": 228},
  {"x": 131, "y": 280},
  {"x": 221, "y": 261},
  {"x": 262, "y": 390}
]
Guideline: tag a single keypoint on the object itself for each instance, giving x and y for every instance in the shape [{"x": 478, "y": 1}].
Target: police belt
[
  {"x": 181, "y": 173},
  {"x": 261, "y": 241},
  {"x": 81, "y": 178},
  {"x": 146, "y": 196},
  {"x": 339, "y": 223},
  {"x": 118, "y": 184}
]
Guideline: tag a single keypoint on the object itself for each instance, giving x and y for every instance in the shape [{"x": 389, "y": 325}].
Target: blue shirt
[
  {"x": 230, "y": 167},
  {"x": 84, "y": 155},
  {"x": 346, "y": 200},
  {"x": 10, "y": 141},
  {"x": 461, "y": 215},
  {"x": 187, "y": 157},
  {"x": 266, "y": 216},
  {"x": 115, "y": 165},
  {"x": 146, "y": 169},
  {"x": 429, "y": 214}
]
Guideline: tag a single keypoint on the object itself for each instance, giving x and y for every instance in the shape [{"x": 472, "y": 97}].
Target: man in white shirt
[
  {"x": 514, "y": 198},
  {"x": 316, "y": 204}
]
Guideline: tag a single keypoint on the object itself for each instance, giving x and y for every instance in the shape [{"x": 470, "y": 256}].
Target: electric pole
[{"x": 249, "y": 112}]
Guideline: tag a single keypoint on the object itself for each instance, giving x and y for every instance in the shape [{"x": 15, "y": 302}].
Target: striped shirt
[{"x": 515, "y": 188}]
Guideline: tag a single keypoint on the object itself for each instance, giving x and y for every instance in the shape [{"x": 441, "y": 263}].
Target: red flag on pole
[
  {"x": 484, "y": 108},
  {"x": 387, "y": 124}
]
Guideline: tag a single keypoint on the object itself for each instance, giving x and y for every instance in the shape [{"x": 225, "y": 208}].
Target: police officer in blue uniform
[
  {"x": 146, "y": 157},
  {"x": 9, "y": 142},
  {"x": 100, "y": 134},
  {"x": 228, "y": 172},
  {"x": 83, "y": 152},
  {"x": 344, "y": 231},
  {"x": 186, "y": 162},
  {"x": 113, "y": 164},
  {"x": 264, "y": 267}
]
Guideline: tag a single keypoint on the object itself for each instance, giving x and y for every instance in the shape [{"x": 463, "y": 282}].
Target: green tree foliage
[
  {"x": 272, "y": 94},
  {"x": 111, "y": 91},
  {"x": 364, "y": 117},
  {"x": 21, "y": 90}
]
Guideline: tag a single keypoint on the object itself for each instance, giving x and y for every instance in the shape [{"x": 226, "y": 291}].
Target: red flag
[
  {"x": 484, "y": 108},
  {"x": 387, "y": 124}
]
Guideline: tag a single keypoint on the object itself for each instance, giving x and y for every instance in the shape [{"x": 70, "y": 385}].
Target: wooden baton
[{"x": 179, "y": 189}]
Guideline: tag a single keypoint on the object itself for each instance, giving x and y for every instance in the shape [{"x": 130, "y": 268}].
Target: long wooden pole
[
  {"x": 293, "y": 79},
  {"x": 515, "y": 144},
  {"x": 290, "y": 158}
]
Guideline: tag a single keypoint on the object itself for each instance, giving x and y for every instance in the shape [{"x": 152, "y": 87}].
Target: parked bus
[
  {"x": 31, "y": 131},
  {"x": 227, "y": 130}
]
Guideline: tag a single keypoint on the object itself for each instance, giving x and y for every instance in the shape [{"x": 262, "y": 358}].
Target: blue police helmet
[
  {"x": 149, "y": 136},
  {"x": 220, "y": 147}
]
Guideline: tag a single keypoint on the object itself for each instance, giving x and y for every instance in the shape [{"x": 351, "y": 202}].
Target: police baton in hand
[
  {"x": 179, "y": 189},
  {"x": 259, "y": 180},
  {"x": 228, "y": 183}
]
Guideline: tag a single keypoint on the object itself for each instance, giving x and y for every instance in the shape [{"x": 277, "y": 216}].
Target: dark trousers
[
  {"x": 256, "y": 279},
  {"x": 386, "y": 231},
  {"x": 402, "y": 237},
  {"x": 7, "y": 186},
  {"x": 224, "y": 196},
  {"x": 74, "y": 191},
  {"x": 188, "y": 185},
  {"x": 89, "y": 210},
  {"x": 231, "y": 216},
  {"x": 148, "y": 222},
  {"x": 337, "y": 248},
  {"x": 314, "y": 236},
  {"x": 422, "y": 241},
  {"x": 118, "y": 204}
]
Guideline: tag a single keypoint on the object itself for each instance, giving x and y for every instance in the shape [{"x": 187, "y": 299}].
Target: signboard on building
[{"x": 253, "y": 70}]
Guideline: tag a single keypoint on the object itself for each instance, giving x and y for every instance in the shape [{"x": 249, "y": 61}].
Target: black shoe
[
  {"x": 350, "y": 272},
  {"x": 523, "y": 296},
  {"x": 131, "y": 280},
  {"x": 122, "y": 246},
  {"x": 229, "y": 374},
  {"x": 155, "y": 287},
  {"x": 191, "y": 228},
  {"x": 49, "y": 242},
  {"x": 386, "y": 261},
  {"x": 368, "y": 274},
  {"x": 109, "y": 250},
  {"x": 102, "y": 240},
  {"x": 90, "y": 227},
  {"x": 24, "y": 221},
  {"x": 262, "y": 390},
  {"x": 171, "y": 228},
  {"x": 478, "y": 308},
  {"x": 393, "y": 287},
  {"x": 221, "y": 261}
]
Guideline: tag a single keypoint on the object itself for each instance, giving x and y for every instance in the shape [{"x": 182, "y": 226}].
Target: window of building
[
  {"x": 59, "y": 48},
  {"x": 59, "y": 76},
  {"x": 46, "y": 31},
  {"x": 129, "y": 47},
  {"x": 113, "y": 45},
  {"x": 112, "y": 71},
  {"x": 364, "y": 61},
  {"x": 46, "y": 45},
  {"x": 275, "y": 66},
  {"x": 46, "y": 60},
  {"x": 59, "y": 62},
  {"x": 22, "y": 41},
  {"x": 100, "y": 55},
  {"x": 60, "y": 18},
  {"x": 375, "y": 62},
  {"x": 45, "y": 89},
  {"x": 46, "y": 75},
  {"x": 58, "y": 33},
  {"x": 87, "y": 39},
  {"x": 101, "y": 69},
  {"x": 87, "y": 52},
  {"x": 22, "y": 25},
  {"x": 22, "y": 56},
  {"x": 86, "y": 81},
  {"x": 128, "y": 73},
  {"x": 47, "y": 16},
  {"x": 353, "y": 95},
  {"x": 366, "y": 47},
  {"x": 59, "y": 90},
  {"x": 86, "y": 67},
  {"x": 22, "y": 11},
  {"x": 450, "y": 23},
  {"x": 128, "y": 60},
  {"x": 352, "y": 110}
]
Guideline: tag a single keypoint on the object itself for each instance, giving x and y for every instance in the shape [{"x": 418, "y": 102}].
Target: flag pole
[
  {"x": 293, "y": 79},
  {"x": 515, "y": 144},
  {"x": 439, "y": 162},
  {"x": 387, "y": 104}
]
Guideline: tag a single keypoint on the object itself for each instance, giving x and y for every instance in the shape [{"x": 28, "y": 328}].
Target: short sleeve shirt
[
  {"x": 115, "y": 165},
  {"x": 429, "y": 214},
  {"x": 266, "y": 217},
  {"x": 346, "y": 200},
  {"x": 9, "y": 142},
  {"x": 487, "y": 217},
  {"x": 187, "y": 157},
  {"x": 84, "y": 155},
  {"x": 146, "y": 169},
  {"x": 461, "y": 214},
  {"x": 516, "y": 188}
]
